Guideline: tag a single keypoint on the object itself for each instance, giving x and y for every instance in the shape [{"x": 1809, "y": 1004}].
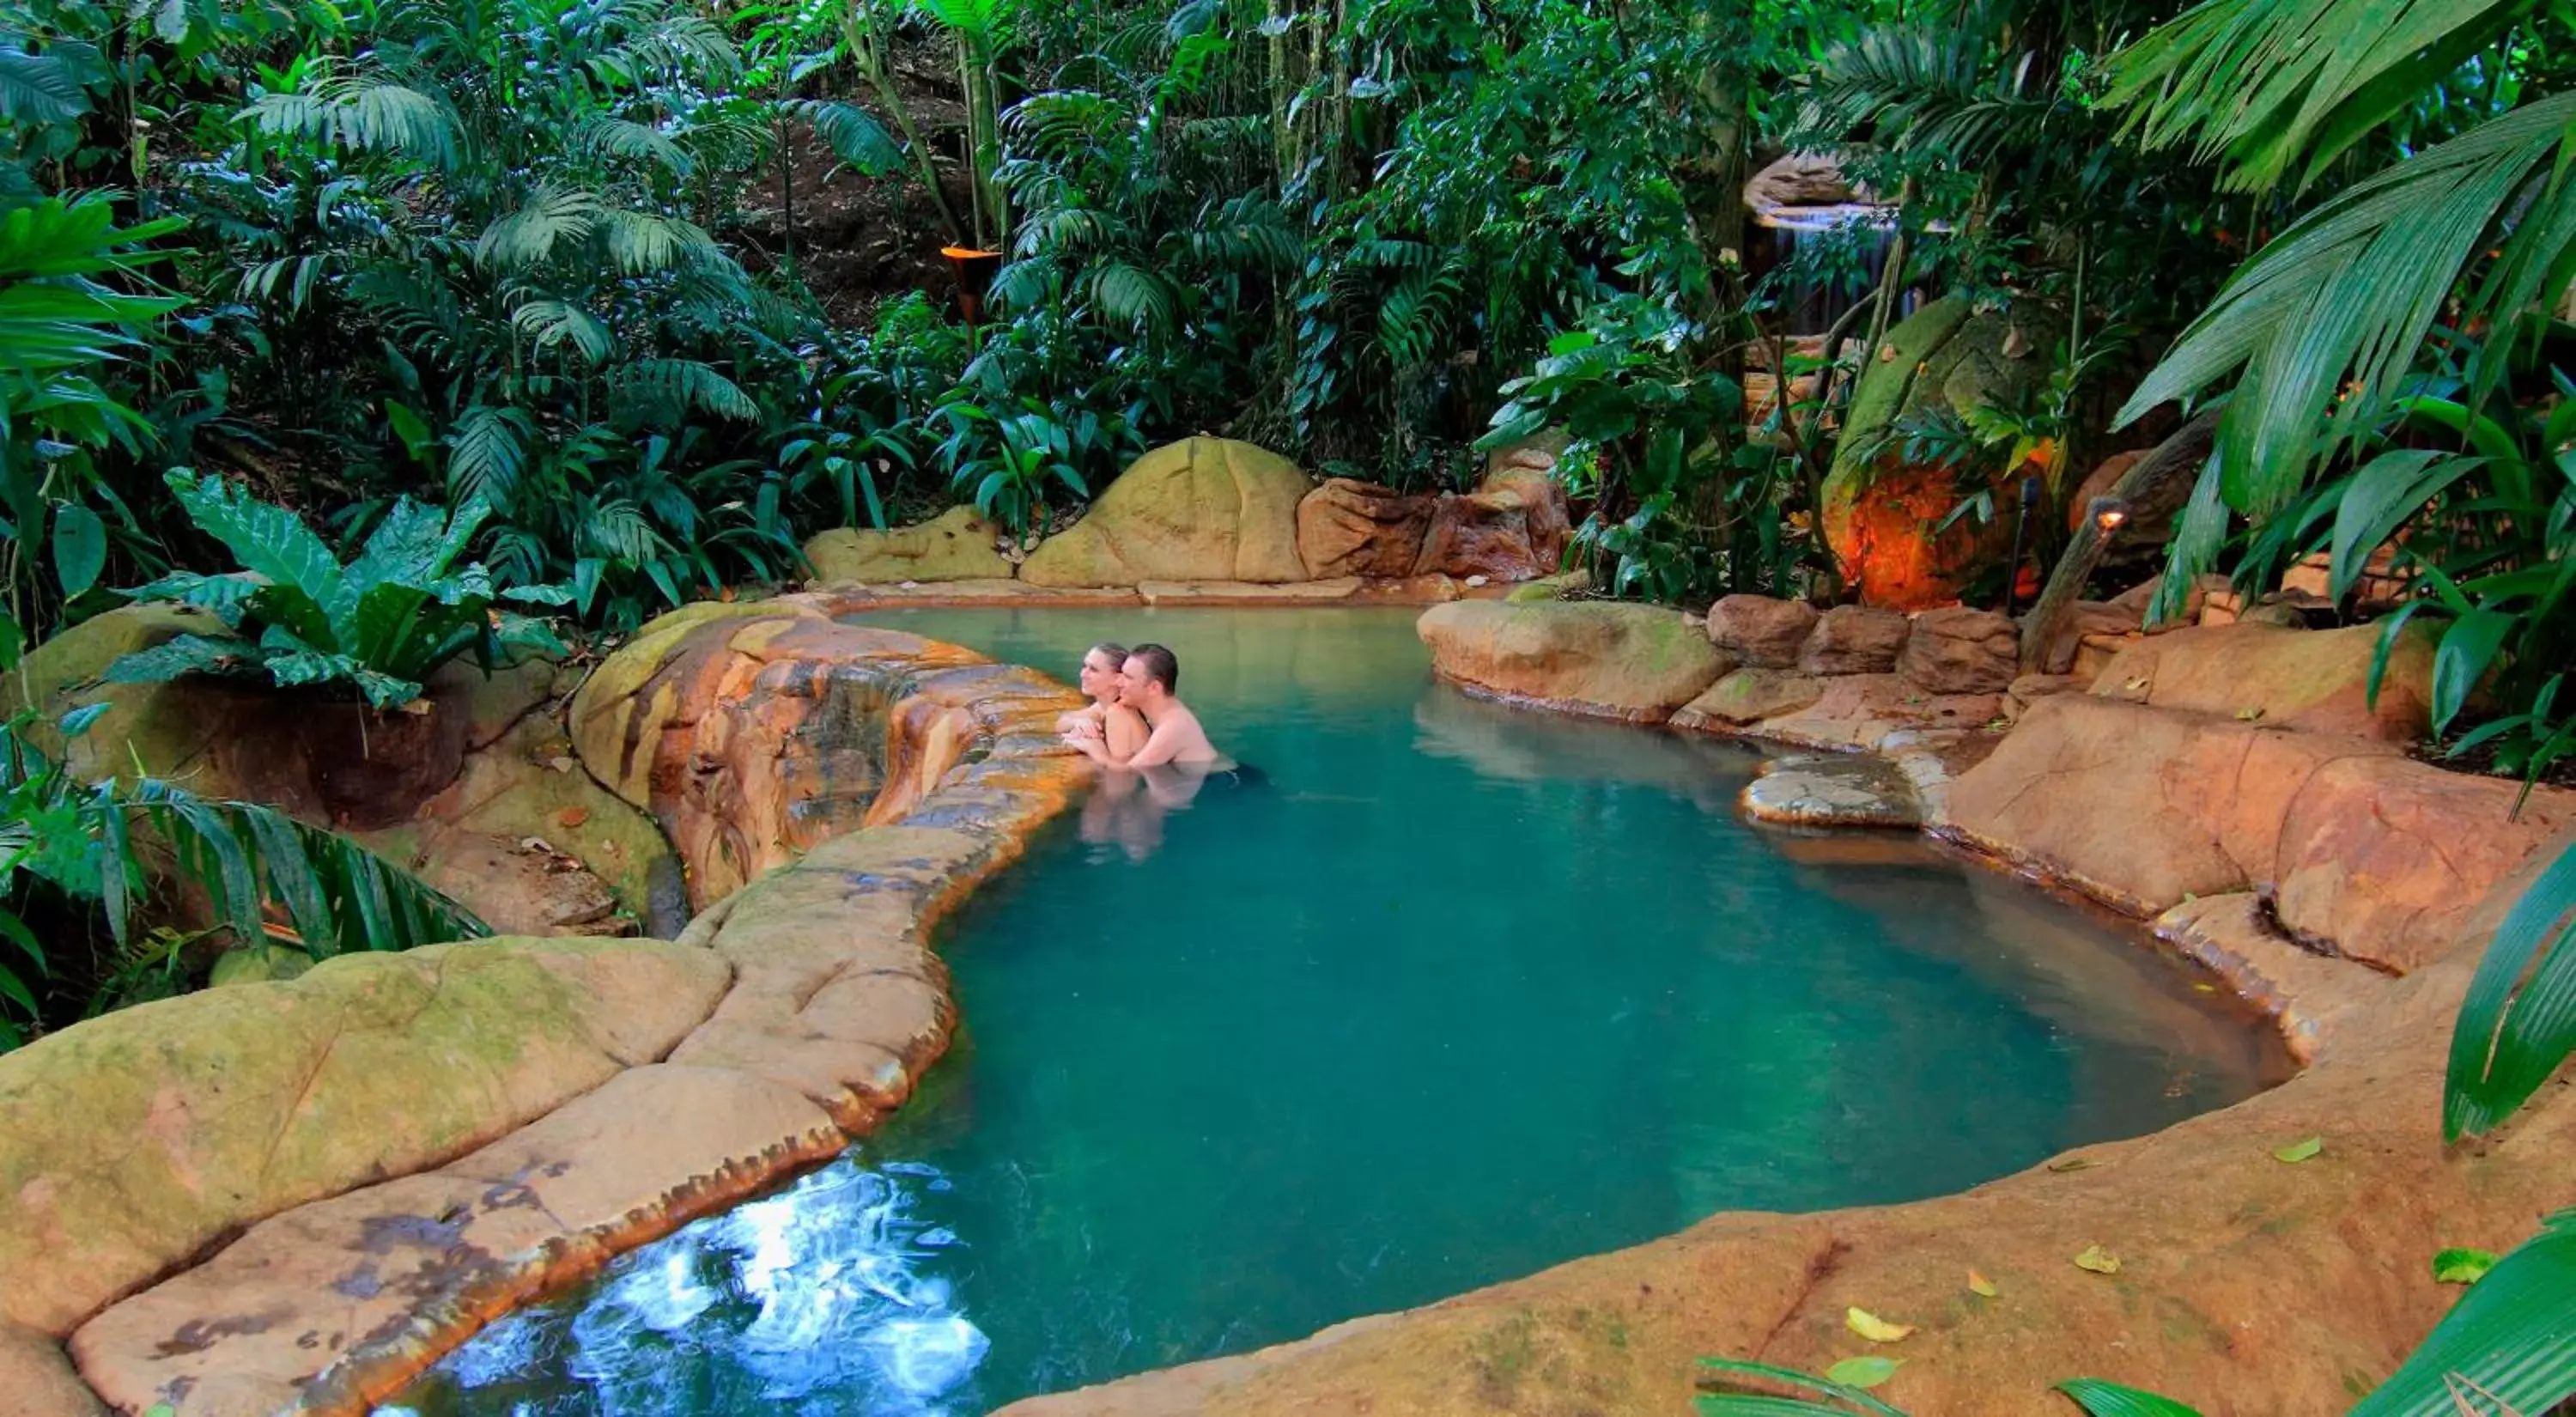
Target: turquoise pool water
[{"x": 1459, "y": 993}]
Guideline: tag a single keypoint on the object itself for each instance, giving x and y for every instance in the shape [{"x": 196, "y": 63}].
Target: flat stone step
[{"x": 1832, "y": 790}]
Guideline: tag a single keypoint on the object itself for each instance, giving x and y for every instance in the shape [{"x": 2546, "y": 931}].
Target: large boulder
[
  {"x": 1203, "y": 509},
  {"x": 2317, "y": 680},
  {"x": 2365, "y": 851},
  {"x": 1750, "y": 695},
  {"x": 956, "y": 545},
  {"x": 1636, "y": 662},
  {"x": 1802, "y": 180},
  {"x": 1854, "y": 639},
  {"x": 1958, "y": 650},
  {"x": 1351, "y": 528},
  {"x": 1760, "y": 630},
  {"x": 1880, "y": 509},
  {"x": 131, "y": 1143},
  {"x": 1513, "y": 527}
]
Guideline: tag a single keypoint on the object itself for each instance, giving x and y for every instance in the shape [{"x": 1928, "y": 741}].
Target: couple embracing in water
[
  {"x": 1136, "y": 718},
  {"x": 1156, "y": 754}
]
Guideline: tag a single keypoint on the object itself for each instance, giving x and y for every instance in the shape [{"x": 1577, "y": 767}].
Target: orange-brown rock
[
  {"x": 1749, "y": 696},
  {"x": 38, "y": 1379},
  {"x": 1636, "y": 662},
  {"x": 752, "y": 737},
  {"x": 2384, "y": 856},
  {"x": 1351, "y": 528},
  {"x": 2141, "y": 806},
  {"x": 2308, "y": 996},
  {"x": 2367, "y": 852},
  {"x": 2308, "y": 679},
  {"x": 1202, "y": 509},
  {"x": 1863, "y": 711},
  {"x": 1854, "y": 639},
  {"x": 339, "y": 1287},
  {"x": 132, "y": 1142},
  {"x": 1957, "y": 650},
  {"x": 2227, "y": 1258},
  {"x": 1513, "y": 527},
  {"x": 1761, "y": 631}
]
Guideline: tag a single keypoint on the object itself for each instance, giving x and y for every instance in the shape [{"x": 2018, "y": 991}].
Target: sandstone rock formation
[
  {"x": 1609, "y": 660},
  {"x": 956, "y": 545},
  {"x": 1854, "y": 639},
  {"x": 1513, "y": 527},
  {"x": 1761, "y": 631},
  {"x": 2309, "y": 679},
  {"x": 137, "y": 1139},
  {"x": 1351, "y": 528},
  {"x": 1958, "y": 650},
  {"x": 1203, "y": 509},
  {"x": 1750, "y": 695}
]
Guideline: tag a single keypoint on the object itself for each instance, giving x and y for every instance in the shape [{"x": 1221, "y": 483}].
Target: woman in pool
[{"x": 1114, "y": 725}]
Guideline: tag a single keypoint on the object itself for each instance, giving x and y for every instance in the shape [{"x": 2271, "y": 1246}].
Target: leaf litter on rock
[
  {"x": 2299, "y": 1151},
  {"x": 1979, "y": 1284},
  {"x": 1874, "y": 1328},
  {"x": 2098, "y": 1260},
  {"x": 1867, "y": 1371}
]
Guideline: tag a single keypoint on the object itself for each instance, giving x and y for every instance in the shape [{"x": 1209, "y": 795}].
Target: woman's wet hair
[{"x": 1161, "y": 666}]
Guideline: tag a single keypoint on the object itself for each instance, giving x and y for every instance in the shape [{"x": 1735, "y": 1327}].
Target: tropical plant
[
  {"x": 63, "y": 317},
  {"x": 77, "y": 856},
  {"x": 296, "y": 616}
]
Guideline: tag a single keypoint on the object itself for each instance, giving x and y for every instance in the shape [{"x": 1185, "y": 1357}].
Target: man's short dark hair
[{"x": 1161, "y": 666}]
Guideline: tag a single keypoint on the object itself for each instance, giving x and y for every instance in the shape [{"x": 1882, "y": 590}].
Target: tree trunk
[
  {"x": 2155, "y": 488},
  {"x": 868, "y": 47}
]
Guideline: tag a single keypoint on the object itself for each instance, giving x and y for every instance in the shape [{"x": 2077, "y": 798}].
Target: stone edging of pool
[
  {"x": 2258, "y": 814},
  {"x": 296, "y": 1196}
]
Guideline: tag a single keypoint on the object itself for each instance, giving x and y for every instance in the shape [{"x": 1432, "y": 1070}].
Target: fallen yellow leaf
[
  {"x": 2098, "y": 1260},
  {"x": 1979, "y": 1284},
  {"x": 1874, "y": 1328}
]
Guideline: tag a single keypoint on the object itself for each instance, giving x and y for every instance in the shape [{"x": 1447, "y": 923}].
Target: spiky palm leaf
[
  {"x": 2262, "y": 83},
  {"x": 661, "y": 389},
  {"x": 860, "y": 142},
  {"x": 552, "y": 323},
  {"x": 554, "y": 217},
  {"x": 360, "y": 112},
  {"x": 609, "y": 136},
  {"x": 2327, "y": 319},
  {"x": 1927, "y": 86}
]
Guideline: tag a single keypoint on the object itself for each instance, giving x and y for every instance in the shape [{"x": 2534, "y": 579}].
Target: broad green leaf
[
  {"x": 2518, "y": 1022},
  {"x": 1864, "y": 1372},
  {"x": 183, "y": 654},
  {"x": 270, "y": 542},
  {"x": 2098, "y": 1260},
  {"x": 78, "y": 721},
  {"x": 1874, "y": 1328},
  {"x": 2468, "y": 649},
  {"x": 2513, "y": 1335},
  {"x": 2299, "y": 1151},
  {"x": 2108, "y": 1399},
  {"x": 2462, "y": 1266},
  {"x": 80, "y": 547},
  {"x": 2383, "y": 495},
  {"x": 1751, "y": 1405}
]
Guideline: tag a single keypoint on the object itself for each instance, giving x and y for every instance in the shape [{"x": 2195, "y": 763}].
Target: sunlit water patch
[{"x": 1459, "y": 993}]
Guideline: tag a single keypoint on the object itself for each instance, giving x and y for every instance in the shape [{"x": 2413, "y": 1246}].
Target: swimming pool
[{"x": 1457, "y": 993}]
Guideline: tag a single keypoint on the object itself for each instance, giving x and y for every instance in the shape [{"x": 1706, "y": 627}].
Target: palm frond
[
  {"x": 362, "y": 112},
  {"x": 487, "y": 452},
  {"x": 1927, "y": 86},
  {"x": 38, "y": 89},
  {"x": 661, "y": 389},
  {"x": 553, "y": 216},
  {"x": 2261, "y": 83},
  {"x": 2327, "y": 319},
  {"x": 857, "y": 139},
  {"x": 558, "y": 322},
  {"x": 641, "y": 142},
  {"x": 644, "y": 242}
]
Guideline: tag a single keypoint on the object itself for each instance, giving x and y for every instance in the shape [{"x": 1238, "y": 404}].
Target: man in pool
[{"x": 1148, "y": 683}]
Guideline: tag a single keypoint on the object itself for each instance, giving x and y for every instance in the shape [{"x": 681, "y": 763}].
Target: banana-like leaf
[
  {"x": 38, "y": 89},
  {"x": 2264, "y": 83},
  {"x": 2108, "y": 1399},
  {"x": 2325, "y": 320},
  {"x": 2518, "y": 1022},
  {"x": 2468, "y": 650},
  {"x": 270, "y": 542},
  {"x": 2512, "y": 1335}
]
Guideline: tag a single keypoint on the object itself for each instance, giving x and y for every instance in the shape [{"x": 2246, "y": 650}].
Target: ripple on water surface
[{"x": 1458, "y": 993}]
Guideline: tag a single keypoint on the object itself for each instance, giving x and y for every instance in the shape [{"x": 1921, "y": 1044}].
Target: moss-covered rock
[
  {"x": 1205, "y": 509},
  {"x": 132, "y": 1142},
  {"x": 1637, "y": 662},
  {"x": 155, "y": 723},
  {"x": 1880, "y": 508},
  {"x": 956, "y": 545}
]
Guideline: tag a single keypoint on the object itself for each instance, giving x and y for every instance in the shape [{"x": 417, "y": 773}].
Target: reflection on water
[
  {"x": 1461, "y": 992},
  {"x": 1126, "y": 808}
]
